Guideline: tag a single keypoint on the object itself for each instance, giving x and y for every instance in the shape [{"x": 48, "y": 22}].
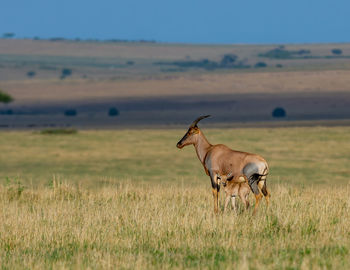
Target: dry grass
[
  {"x": 138, "y": 226},
  {"x": 131, "y": 200}
]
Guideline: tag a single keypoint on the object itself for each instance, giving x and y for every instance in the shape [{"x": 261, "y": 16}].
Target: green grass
[
  {"x": 296, "y": 155},
  {"x": 129, "y": 199}
]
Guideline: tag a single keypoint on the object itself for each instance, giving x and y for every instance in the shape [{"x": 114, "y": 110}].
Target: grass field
[{"x": 130, "y": 199}]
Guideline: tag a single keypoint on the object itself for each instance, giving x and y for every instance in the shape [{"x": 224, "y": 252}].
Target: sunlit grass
[
  {"x": 131, "y": 200},
  {"x": 142, "y": 226}
]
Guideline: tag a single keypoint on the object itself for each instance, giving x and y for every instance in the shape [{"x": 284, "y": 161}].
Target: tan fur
[
  {"x": 220, "y": 159},
  {"x": 238, "y": 186}
]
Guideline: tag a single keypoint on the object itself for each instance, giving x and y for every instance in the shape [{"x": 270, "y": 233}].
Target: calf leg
[
  {"x": 244, "y": 199},
  {"x": 227, "y": 201},
  {"x": 233, "y": 202},
  {"x": 247, "y": 201}
]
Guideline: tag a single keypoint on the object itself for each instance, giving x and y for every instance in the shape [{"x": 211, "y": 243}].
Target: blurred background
[{"x": 117, "y": 64}]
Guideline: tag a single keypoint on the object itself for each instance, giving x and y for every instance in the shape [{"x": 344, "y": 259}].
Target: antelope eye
[{"x": 193, "y": 130}]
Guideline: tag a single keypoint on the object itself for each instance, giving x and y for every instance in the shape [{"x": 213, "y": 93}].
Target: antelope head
[
  {"x": 222, "y": 179},
  {"x": 192, "y": 133}
]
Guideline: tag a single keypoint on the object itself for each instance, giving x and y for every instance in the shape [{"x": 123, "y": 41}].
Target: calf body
[{"x": 233, "y": 187}]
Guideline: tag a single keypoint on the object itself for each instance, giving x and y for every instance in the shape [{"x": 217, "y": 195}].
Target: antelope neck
[{"x": 202, "y": 146}]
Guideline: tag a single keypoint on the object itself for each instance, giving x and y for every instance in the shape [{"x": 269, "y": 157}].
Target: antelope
[
  {"x": 234, "y": 186},
  {"x": 221, "y": 160}
]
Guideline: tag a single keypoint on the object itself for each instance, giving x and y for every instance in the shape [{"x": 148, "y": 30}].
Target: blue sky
[{"x": 183, "y": 21}]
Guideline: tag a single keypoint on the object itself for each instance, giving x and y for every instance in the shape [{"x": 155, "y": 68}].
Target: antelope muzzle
[{"x": 181, "y": 143}]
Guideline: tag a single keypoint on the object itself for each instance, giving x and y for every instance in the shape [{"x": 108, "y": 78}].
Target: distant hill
[
  {"x": 156, "y": 84},
  {"x": 45, "y": 59}
]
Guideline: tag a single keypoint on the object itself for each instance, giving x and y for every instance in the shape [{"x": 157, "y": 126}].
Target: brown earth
[
  {"x": 145, "y": 95},
  {"x": 57, "y": 91}
]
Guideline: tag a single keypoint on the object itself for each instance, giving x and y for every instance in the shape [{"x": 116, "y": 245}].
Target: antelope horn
[{"x": 195, "y": 122}]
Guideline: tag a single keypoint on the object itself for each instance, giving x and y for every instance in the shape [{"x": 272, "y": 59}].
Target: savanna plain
[{"x": 129, "y": 199}]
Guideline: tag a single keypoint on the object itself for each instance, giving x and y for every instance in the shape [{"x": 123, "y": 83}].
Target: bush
[
  {"x": 279, "y": 112},
  {"x": 279, "y": 65},
  {"x": 31, "y": 74},
  {"x": 5, "y": 98},
  {"x": 260, "y": 65},
  {"x": 228, "y": 60},
  {"x": 204, "y": 63},
  {"x": 65, "y": 73},
  {"x": 282, "y": 53},
  {"x": 277, "y": 53},
  {"x": 7, "y": 112},
  {"x": 8, "y": 35},
  {"x": 113, "y": 112},
  {"x": 130, "y": 63},
  {"x": 59, "y": 131},
  {"x": 70, "y": 112},
  {"x": 337, "y": 51},
  {"x": 302, "y": 51},
  {"x": 57, "y": 39}
]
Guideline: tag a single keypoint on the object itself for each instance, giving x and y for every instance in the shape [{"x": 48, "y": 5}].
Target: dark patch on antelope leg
[
  {"x": 254, "y": 186},
  {"x": 213, "y": 184},
  {"x": 215, "y": 190},
  {"x": 253, "y": 183},
  {"x": 264, "y": 190},
  {"x": 251, "y": 171}
]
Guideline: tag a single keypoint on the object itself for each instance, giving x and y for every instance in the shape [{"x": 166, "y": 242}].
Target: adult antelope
[{"x": 220, "y": 160}]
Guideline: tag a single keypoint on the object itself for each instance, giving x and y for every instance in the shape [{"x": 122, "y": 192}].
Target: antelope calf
[
  {"x": 220, "y": 160},
  {"x": 235, "y": 186}
]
